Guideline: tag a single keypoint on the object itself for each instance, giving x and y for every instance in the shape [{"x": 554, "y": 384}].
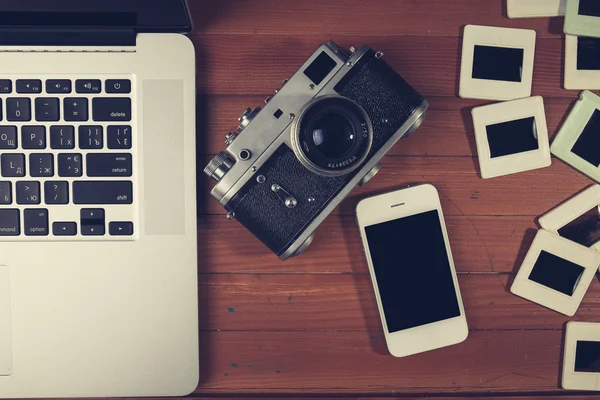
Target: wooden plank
[
  {"x": 447, "y": 130},
  {"x": 497, "y": 396},
  {"x": 479, "y": 244},
  {"x": 461, "y": 189},
  {"x": 357, "y": 362},
  {"x": 347, "y": 302},
  {"x": 309, "y": 326},
  {"x": 433, "y": 72},
  {"x": 375, "y": 17}
]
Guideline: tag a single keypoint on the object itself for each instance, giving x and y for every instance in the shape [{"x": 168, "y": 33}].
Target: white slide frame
[
  {"x": 535, "y": 8},
  {"x": 579, "y": 331},
  {"x": 570, "y": 210},
  {"x": 580, "y": 25},
  {"x": 576, "y": 79},
  {"x": 567, "y": 250},
  {"x": 485, "y": 89},
  {"x": 505, "y": 112}
]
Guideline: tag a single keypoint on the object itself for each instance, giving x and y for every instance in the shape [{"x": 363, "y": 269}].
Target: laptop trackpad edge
[
  {"x": 6, "y": 360},
  {"x": 164, "y": 192}
]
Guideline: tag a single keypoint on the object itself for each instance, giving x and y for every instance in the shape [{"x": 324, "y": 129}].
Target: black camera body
[{"x": 321, "y": 135}]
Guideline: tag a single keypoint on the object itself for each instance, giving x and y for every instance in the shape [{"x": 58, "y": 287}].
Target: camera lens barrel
[{"x": 332, "y": 136}]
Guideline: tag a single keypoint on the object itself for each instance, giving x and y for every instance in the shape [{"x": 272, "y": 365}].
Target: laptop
[{"x": 98, "y": 251}]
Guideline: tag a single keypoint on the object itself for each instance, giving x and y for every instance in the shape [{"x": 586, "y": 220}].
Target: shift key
[
  {"x": 9, "y": 222},
  {"x": 111, "y": 109},
  {"x": 102, "y": 192}
]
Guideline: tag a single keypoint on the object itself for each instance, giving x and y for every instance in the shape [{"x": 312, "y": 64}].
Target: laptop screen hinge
[{"x": 28, "y": 36}]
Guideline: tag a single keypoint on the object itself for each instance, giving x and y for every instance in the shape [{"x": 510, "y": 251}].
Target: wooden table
[{"x": 309, "y": 326}]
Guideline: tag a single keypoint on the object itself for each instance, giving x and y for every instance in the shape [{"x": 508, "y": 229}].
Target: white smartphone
[{"x": 406, "y": 244}]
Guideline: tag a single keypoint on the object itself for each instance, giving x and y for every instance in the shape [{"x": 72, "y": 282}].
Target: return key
[{"x": 108, "y": 164}]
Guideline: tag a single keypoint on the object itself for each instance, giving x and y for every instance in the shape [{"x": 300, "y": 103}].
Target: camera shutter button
[
  {"x": 246, "y": 112},
  {"x": 247, "y": 117},
  {"x": 230, "y": 137}
]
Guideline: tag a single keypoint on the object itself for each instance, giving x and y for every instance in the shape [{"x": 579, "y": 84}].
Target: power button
[{"x": 118, "y": 86}]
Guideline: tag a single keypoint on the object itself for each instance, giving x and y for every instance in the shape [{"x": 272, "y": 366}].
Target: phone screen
[{"x": 413, "y": 271}]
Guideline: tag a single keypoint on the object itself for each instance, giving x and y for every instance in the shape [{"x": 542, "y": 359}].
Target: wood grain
[
  {"x": 356, "y": 17},
  {"x": 553, "y": 395},
  {"x": 358, "y": 362},
  {"x": 251, "y": 302},
  {"x": 309, "y": 327},
  {"x": 417, "y": 59},
  {"x": 479, "y": 244}
]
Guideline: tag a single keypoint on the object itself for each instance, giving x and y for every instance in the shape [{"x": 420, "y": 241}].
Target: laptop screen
[{"x": 142, "y": 15}]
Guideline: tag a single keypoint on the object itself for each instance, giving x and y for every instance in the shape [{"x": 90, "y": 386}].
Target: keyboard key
[
  {"x": 41, "y": 165},
  {"x": 102, "y": 192},
  {"x": 111, "y": 109},
  {"x": 92, "y": 222},
  {"x": 33, "y": 137},
  {"x": 29, "y": 86},
  {"x": 5, "y": 193},
  {"x": 107, "y": 164},
  {"x": 76, "y": 109},
  {"x": 28, "y": 192},
  {"x": 1, "y": 114},
  {"x": 64, "y": 228},
  {"x": 56, "y": 192},
  {"x": 118, "y": 137},
  {"x": 118, "y": 86},
  {"x": 8, "y": 137},
  {"x": 120, "y": 228},
  {"x": 96, "y": 214},
  {"x": 93, "y": 230},
  {"x": 47, "y": 109},
  {"x": 91, "y": 137},
  {"x": 58, "y": 86},
  {"x": 35, "y": 221},
  {"x": 12, "y": 165},
  {"x": 69, "y": 164},
  {"x": 88, "y": 86},
  {"x": 18, "y": 109},
  {"x": 62, "y": 137},
  {"x": 5, "y": 86},
  {"x": 10, "y": 224}
]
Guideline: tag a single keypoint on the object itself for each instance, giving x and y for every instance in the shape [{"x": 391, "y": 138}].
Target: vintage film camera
[{"x": 323, "y": 133}]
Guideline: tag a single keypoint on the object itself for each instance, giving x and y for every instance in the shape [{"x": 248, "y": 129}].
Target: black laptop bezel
[{"x": 39, "y": 10}]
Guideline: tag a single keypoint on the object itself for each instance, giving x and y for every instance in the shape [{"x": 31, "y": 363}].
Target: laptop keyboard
[{"x": 67, "y": 150}]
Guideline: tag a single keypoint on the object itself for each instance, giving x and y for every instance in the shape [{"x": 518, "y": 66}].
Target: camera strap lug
[
  {"x": 370, "y": 175},
  {"x": 288, "y": 200}
]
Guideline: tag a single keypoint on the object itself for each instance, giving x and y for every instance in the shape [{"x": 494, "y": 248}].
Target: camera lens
[{"x": 332, "y": 136}]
